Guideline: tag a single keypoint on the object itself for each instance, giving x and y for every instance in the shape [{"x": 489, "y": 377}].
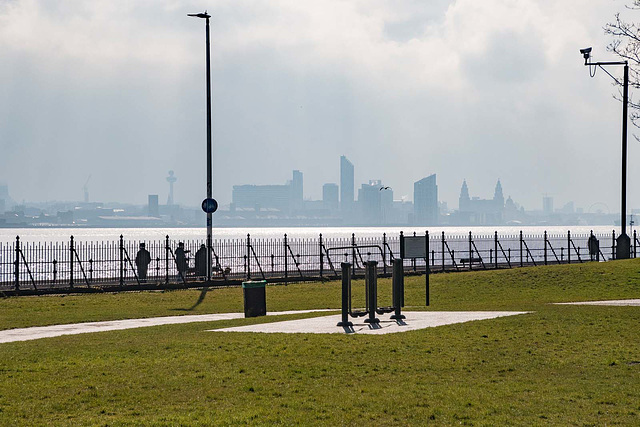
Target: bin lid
[{"x": 254, "y": 284}]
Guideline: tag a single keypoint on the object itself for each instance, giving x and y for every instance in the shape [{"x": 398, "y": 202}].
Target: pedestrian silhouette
[
  {"x": 143, "y": 258},
  {"x": 201, "y": 261},
  {"x": 181, "y": 259}
]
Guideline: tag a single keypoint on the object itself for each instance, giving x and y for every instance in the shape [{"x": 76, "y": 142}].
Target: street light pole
[
  {"x": 623, "y": 242},
  {"x": 209, "y": 212}
]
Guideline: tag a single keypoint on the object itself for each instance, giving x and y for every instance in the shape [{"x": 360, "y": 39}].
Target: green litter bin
[{"x": 255, "y": 298}]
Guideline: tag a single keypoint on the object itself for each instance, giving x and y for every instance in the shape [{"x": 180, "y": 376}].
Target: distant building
[
  {"x": 370, "y": 203},
  {"x": 152, "y": 206},
  {"x": 171, "y": 180},
  {"x": 425, "y": 201},
  {"x": 476, "y": 211},
  {"x": 330, "y": 196},
  {"x": 296, "y": 186},
  {"x": 547, "y": 204},
  {"x": 346, "y": 185},
  {"x": 281, "y": 197}
]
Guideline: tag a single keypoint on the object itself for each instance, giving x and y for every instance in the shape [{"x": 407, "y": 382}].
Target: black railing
[{"x": 75, "y": 264}]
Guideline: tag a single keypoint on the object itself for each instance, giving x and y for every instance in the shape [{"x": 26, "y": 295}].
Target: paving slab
[
  {"x": 33, "y": 333},
  {"x": 414, "y": 320},
  {"x": 617, "y": 302}
]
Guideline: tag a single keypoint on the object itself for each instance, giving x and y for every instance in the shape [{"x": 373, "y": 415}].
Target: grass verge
[{"x": 559, "y": 364}]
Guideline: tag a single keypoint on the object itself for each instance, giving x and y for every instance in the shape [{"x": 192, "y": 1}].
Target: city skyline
[{"x": 465, "y": 90}]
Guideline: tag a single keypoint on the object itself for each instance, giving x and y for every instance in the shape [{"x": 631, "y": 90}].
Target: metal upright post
[
  {"x": 372, "y": 291},
  {"x": 470, "y": 253},
  {"x": 17, "y": 264},
  {"x": 286, "y": 268},
  {"x": 495, "y": 249},
  {"x": 521, "y": 263},
  {"x": 121, "y": 261},
  {"x": 428, "y": 272},
  {"x": 569, "y": 246},
  {"x": 166, "y": 260},
  {"x": 209, "y": 167},
  {"x": 346, "y": 285},
  {"x": 443, "y": 251},
  {"x": 545, "y": 247},
  {"x": 353, "y": 254},
  {"x": 398, "y": 289},
  {"x": 613, "y": 244},
  {"x": 634, "y": 243},
  {"x": 71, "y": 262},
  {"x": 248, "y": 257},
  {"x": 321, "y": 255},
  {"x": 384, "y": 253}
]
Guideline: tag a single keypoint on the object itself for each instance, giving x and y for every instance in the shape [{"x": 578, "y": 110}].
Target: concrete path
[
  {"x": 26, "y": 334},
  {"x": 328, "y": 324},
  {"x": 618, "y": 302}
]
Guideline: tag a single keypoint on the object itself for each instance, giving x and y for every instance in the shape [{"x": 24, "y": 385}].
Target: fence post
[
  {"x": 286, "y": 264},
  {"x": 122, "y": 259},
  {"x": 384, "y": 253},
  {"x": 569, "y": 245},
  {"x": 248, "y": 257},
  {"x": 71, "y": 262},
  {"x": 591, "y": 239},
  {"x": 470, "y": 254},
  {"x": 427, "y": 272},
  {"x": 17, "y": 264},
  {"x": 443, "y": 251},
  {"x": 166, "y": 259},
  {"x": 634, "y": 243},
  {"x": 545, "y": 247},
  {"x": 321, "y": 255},
  {"x": 521, "y": 263},
  {"x": 495, "y": 249},
  {"x": 353, "y": 254}
]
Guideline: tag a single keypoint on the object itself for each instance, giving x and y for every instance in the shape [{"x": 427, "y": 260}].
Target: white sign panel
[{"x": 415, "y": 247}]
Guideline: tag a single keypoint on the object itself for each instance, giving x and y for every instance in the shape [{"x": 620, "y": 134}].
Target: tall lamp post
[
  {"x": 209, "y": 205},
  {"x": 623, "y": 246}
]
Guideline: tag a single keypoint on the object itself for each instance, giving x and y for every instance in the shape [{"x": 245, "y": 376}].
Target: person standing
[
  {"x": 201, "y": 261},
  {"x": 181, "y": 259},
  {"x": 143, "y": 258}
]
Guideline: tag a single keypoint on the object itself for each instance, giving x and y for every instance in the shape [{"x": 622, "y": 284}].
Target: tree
[{"x": 626, "y": 45}]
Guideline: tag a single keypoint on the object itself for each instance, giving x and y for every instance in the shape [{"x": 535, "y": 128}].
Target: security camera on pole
[
  {"x": 623, "y": 242},
  {"x": 209, "y": 205}
]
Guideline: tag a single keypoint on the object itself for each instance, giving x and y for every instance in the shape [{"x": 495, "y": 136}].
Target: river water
[{"x": 43, "y": 235}]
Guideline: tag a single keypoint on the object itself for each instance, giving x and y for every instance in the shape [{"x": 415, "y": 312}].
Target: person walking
[{"x": 143, "y": 258}]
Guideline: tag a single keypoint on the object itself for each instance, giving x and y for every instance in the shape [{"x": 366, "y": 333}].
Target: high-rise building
[
  {"x": 152, "y": 208},
  {"x": 547, "y": 204},
  {"x": 346, "y": 185},
  {"x": 370, "y": 203},
  {"x": 330, "y": 196},
  {"x": 425, "y": 201},
  {"x": 296, "y": 189}
]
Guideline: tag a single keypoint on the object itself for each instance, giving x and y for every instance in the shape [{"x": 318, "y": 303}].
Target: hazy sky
[{"x": 465, "y": 89}]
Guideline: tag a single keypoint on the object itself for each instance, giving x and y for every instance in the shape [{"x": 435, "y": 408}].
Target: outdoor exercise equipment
[{"x": 371, "y": 294}]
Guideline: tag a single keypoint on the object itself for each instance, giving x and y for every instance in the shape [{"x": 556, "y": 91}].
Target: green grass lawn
[{"x": 557, "y": 365}]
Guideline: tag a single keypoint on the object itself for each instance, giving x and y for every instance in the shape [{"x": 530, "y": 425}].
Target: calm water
[{"x": 142, "y": 234}]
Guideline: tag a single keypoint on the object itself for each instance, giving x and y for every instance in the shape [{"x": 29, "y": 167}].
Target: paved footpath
[{"x": 34, "y": 333}]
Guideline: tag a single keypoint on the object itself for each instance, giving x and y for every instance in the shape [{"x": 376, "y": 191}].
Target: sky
[{"x": 465, "y": 89}]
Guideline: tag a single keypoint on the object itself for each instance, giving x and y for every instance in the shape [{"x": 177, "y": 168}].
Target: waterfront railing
[{"x": 86, "y": 265}]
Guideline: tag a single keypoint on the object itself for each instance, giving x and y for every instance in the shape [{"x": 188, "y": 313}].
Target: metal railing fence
[{"x": 73, "y": 264}]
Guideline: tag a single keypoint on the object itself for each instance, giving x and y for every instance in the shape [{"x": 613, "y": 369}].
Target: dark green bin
[{"x": 255, "y": 298}]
